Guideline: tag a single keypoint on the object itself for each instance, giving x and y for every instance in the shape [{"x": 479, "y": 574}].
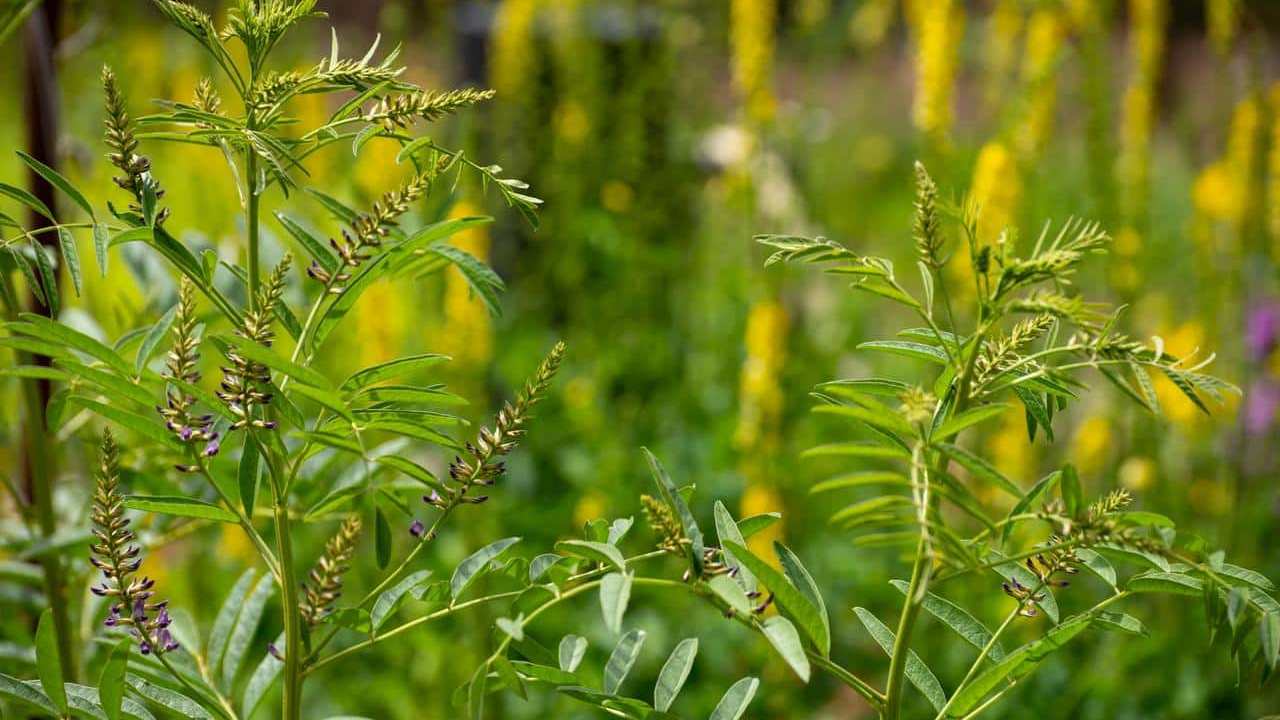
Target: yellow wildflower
[
  {"x": 870, "y": 22},
  {"x": 1210, "y": 497},
  {"x": 1215, "y": 193},
  {"x": 756, "y": 500},
  {"x": 384, "y": 322},
  {"x": 1223, "y": 19},
  {"x": 996, "y": 189},
  {"x": 751, "y": 35},
  {"x": 590, "y": 506},
  {"x": 1183, "y": 340},
  {"x": 1004, "y": 27},
  {"x": 1273, "y": 174},
  {"x": 469, "y": 336},
  {"x": 1147, "y": 37},
  {"x": 1137, "y": 473},
  {"x": 514, "y": 57},
  {"x": 940, "y": 30},
  {"x": 1091, "y": 445},
  {"x": 1008, "y": 446},
  {"x": 1045, "y": 32},
  {"x": 616, "y": 196},
  {"x": 760, "y": 394}
]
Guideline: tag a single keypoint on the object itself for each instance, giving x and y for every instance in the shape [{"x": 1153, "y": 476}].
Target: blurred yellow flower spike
[
  {"x": 470, "y": 338},
  {"x": 940, "y": 28},
  {"x": 1138, "y": 474},
  {"x": 1008, "y": 446},
  {"x": 752, "y": 27},
  {"x": 756, "y": 500},
  {"x": 590, "y": 506},
  {"x": 1091, "y": 446},
  {"x": 759, "y": 392},
  {"x": 1045, "y": 33},
  {"x": 1000, "y": 51}
]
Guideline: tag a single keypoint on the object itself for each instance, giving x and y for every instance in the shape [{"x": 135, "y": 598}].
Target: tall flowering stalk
[
  {"x": 1147, "y": 28},
  {"x": 131, "y": 595},
  {"x": 751, "y": 25},
  {"x": 939, "y": 31}
]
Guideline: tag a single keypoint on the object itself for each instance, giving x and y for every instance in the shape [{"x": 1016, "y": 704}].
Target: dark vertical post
[{"x": 40, "y": 109}]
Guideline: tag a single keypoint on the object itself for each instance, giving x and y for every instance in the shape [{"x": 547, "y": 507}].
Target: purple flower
[
  {"x": 139, "y": 611},
  {"x": 1261, "y": 404},
  {"x": 1262, "y": 329},
  {"x": 212, "y": 448},
  {"x": 417, "y": 529}
]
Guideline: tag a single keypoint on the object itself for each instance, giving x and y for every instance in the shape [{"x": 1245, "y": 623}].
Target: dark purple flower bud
[
  {"x": 275, "y": 652},
  {"x": 417, "y": 529},
  {"x": 163, "y": 620},
  {"x": 139, "y": 610},
  {"x": 212, "y": 448},
  {"x": 99, "y": 590},
  {"x": 144, "y": 647},
  {"x": 185, "y": 433},
  {"x": 432, "y": 499}
]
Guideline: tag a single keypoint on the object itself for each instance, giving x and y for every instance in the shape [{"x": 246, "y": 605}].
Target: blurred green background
[{"x": 663, "y": 135}]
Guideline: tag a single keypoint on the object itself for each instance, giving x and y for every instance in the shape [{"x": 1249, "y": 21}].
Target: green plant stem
[
  {"x": 224, "y": 707},
  {"x": 39, "y": 462},
  {"x": 906, "y": 623},
  {"x": 405, "y": 627},
  {"x": 982, "y": 655},
  {"x": 251, "y": 214},
  {"x": 1009, "y": 559},
  {"x": 246, "y": 524},
  {"x": 292, "y": 696},
  {"x": 920, "y": 570}
]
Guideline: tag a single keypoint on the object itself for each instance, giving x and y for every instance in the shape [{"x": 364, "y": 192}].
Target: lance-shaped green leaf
[
  {"x": 48, "y": 664},
  {"x": 260, "y": 681},
  {"x": 1042, "y": 486},
  {"x": 572, "y": 649},
  {"x": 391, "y": 598},
  {"x": 903, "y": 348},
  {"x": 1122, "y": 622},
  {"x": 749, "y": 526},
  {"x": 603, "y": 553},
  {"x": 111, "y": 682},
  {"x": 731, "y": 593},
  {"x": 39, "y": 326},
  {"x": 1016, "y": 665},
  {"x": 1165, "y": 582},
  {"x": 671, "y": 496},
  {"x": 181, "y": 705},
  {"x": 180, "y": 506},
  {"x": 803, "y": 581},
  {"x": 736, "y": 699},
  {"x": 615, "y": 593},
  {"x": 979, "y": 468},
  {"x": 225, "y": 621},
  {"x": 621, "y": 661},
  {"x": 727, "y": 529},
  {"x": 29, "y": 695},
  {"x": 251, "y": 350},
  {"x": 917, "y": 672},
  {"x": 471, "y": 568},
  {"x": 958, "y": 619},
  {"x": 674, "y": 673},
  {"x": 790, "y": 600},
  {"x": 966, "y": 420},
  {"x": 245, "y": 628},
  {"x": 391, "y": 369},
  {"x": 782, "y": 635}
]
